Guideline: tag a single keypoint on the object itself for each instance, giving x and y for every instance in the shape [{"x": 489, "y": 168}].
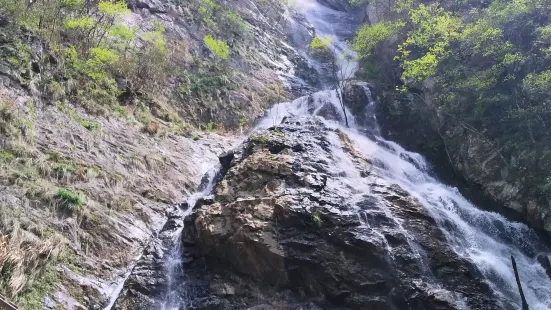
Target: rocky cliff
[
  {"x": 466, "y": 157},
  {"x": 85, "y": 183},
  {"x": 283, "y": 232},
  {"x": 481, "y": 120}
]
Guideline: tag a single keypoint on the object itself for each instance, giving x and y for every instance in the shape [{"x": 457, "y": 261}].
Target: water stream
[
  {"x": 334, "y": 26},
  {"x": 172, "y": 299},
  {"x": 485, "y": 238}
]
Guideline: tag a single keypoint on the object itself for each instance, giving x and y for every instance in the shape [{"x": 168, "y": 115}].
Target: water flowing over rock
[
  {"x": 286, "y": 216},
  {"x": 308, "y": 213}
]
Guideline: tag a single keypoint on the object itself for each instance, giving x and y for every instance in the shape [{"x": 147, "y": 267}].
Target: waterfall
[
  {"x": 173, "y": 297},
  {"x": 484, "y": 238},
  {"x": 337, "y": 26}
]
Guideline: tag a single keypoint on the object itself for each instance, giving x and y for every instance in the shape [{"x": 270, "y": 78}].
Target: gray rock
[{"x": 275, "y": 226}]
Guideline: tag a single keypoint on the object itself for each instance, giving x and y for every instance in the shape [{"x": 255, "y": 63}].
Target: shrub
[
  {"x": 220, "y": 49},
  {"x": 208, "y": 127},
  {"x": 70, "y": 200},
  {"x": 260, "y": 139},
  {"x": 90, "y": 125},
  {"x": 235, "y": 22},
  {"x": 6, "y": 156}
]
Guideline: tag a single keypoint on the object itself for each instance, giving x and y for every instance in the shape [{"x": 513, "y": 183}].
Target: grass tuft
[
  {"x": 260, "y": 139},
  {"x": 70, "y": 200},
  {"x": 90, "y": 125}
]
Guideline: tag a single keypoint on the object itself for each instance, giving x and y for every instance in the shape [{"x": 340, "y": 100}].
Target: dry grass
[
  {"x": 151, "y": 127},
  {"x": 24, "y": 249},
  {"x": 21, "y": 148},
  {"x": 7, "y": 108}
]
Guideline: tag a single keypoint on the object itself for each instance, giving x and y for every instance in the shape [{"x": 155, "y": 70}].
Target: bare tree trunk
[
  {"x": 340, "y": 95},
  {"x": 339, "y": 80},
  {"x": 524, "y": 303}
]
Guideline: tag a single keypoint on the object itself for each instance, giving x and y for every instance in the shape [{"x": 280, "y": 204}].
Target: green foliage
[
  {"x": 208, "y": 127},
  {"x": 235, "y": 21},
  {"x": 64, "y": 168},
  {"x": 370, "y": 36},
  {"x": 92, "y": 45},
  {"x": 430, "y": 37},
  {"x": 203, "y": 85},
  {"x": 259, "y": 139},
  {"x": 242, "y": 122},
  {"x": 122, "y": 32},
  {"x": 220, "y": 49},
  {"x": 44, "y": 283},
  {"x": 84, "y": 23},
  {"x": 538, "y": 83},
  {"x": 316, "y": 217},
  {"x": 206, "y": 11},
  {"x": 196, "y": 138},
  {"x": 6, "y": 156},
  {"x": 90, "y": 125},
  {"x": 70, "y": 200},
  {"x": 321, "y": 43},
  {"x": 484, "y": 65},
  {"x": 113, "y": 8}
]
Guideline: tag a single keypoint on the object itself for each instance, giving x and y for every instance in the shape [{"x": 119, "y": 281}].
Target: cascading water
[
  {"x": 331, "y": 24},
  {"x": 173, "y": 297},
  {"x": 485, "y": 238}
]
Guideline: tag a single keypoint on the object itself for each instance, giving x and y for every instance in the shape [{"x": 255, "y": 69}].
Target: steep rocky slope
[
  {"x": 78, "y": 204},
  {"x": 282, "y": 232},
  {"x": 283, "y": 216},
  {"x": 263, "y": 66},
  {"x": 85, "y": 184}
]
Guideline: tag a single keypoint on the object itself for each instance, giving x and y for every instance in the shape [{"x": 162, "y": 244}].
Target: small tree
[{"x": 340, "y": 65}]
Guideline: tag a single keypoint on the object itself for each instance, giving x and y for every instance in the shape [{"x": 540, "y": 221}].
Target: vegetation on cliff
[
  {"x": 480, "y": 65},
  {"x": 96, "y": 101}
]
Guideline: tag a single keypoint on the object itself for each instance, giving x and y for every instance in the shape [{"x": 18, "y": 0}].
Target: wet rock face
[
  {"x": 283, "y": 220},
  {"x": 147, "y": 282},
  {"x": 465, "y": 158},
  {"x": 357, "y": 98}
]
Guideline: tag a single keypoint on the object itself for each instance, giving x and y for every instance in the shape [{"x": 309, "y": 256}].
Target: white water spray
[
  {"x": 485, "y": 238},
  {"x": 173, "y": 263}
]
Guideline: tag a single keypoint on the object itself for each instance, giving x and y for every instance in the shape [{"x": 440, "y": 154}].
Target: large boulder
[{"x": 283, "y": 219}]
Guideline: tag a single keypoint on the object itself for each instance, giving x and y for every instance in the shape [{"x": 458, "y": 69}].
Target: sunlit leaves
[
  {"x": 538, "y": 83},
  {"x": 432, "y": 32},
  {"x": 113, "y": 7},
  {"x": 123, "y": 32},
  {"x": 84, "y": 23},
  {"x": 369, "y": 36},
  {"x": 219, "y": 48},
  {"x": 72, "y": 4},
  {"x": 482, "y": 38},
  {"x": 321, "y": 43},
  {"x": 104, "y": 56}
]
